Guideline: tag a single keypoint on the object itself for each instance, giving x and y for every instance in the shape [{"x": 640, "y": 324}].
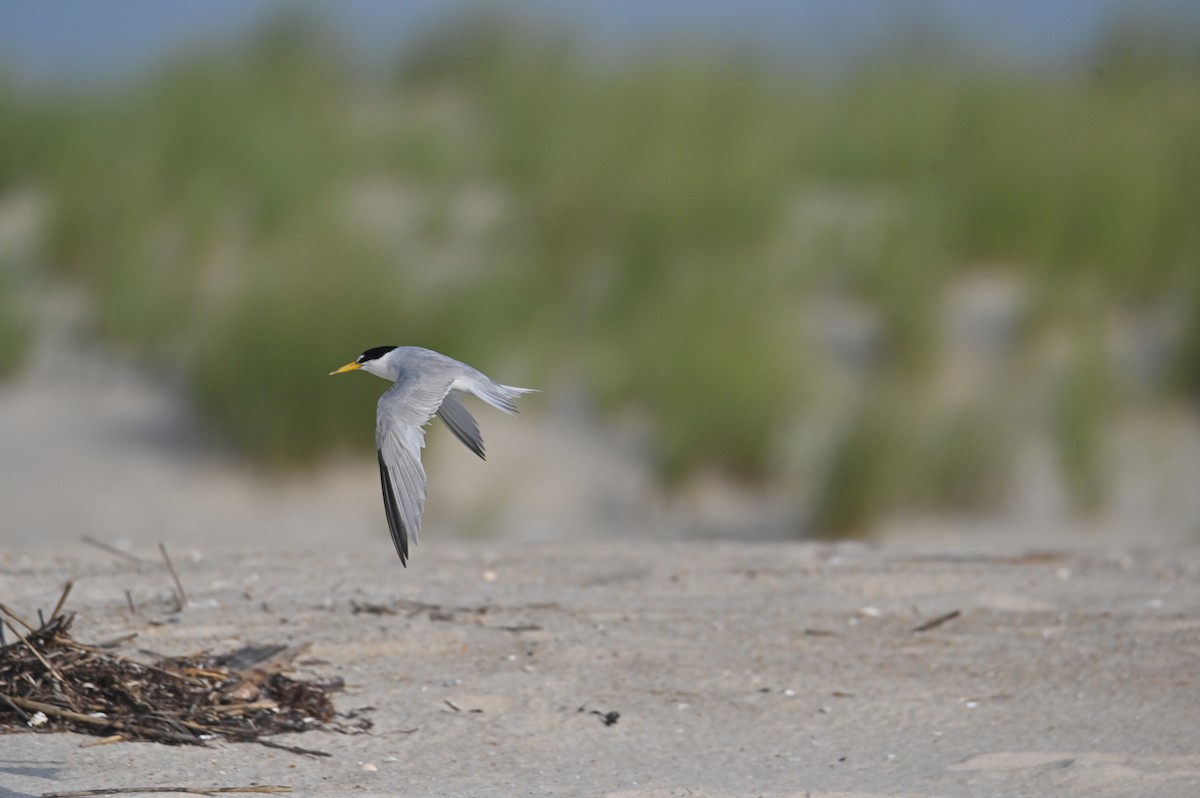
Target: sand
[{"x": 736, "y": 670}]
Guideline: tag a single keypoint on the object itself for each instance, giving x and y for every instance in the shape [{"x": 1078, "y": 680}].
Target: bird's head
[{"x": 373, "y": 361}]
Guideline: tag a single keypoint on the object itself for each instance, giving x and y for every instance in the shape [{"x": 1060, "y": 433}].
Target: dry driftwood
[{"x": 51, "y": 682}]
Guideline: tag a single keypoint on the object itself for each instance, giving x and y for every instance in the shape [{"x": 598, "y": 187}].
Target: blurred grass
[
  {"x": 15, "y": 328},
  {"x": 662, "y": 226}
]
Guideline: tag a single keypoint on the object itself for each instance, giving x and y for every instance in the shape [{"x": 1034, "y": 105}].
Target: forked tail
[{"x": 501, "y": 397}]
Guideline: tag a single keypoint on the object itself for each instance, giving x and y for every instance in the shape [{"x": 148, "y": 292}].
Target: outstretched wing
[
  {"x": 460, "y": 421},
  {"x": 401, "y": 414}
]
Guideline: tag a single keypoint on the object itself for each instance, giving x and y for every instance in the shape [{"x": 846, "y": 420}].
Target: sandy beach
[{"x": 736, "y": 670}]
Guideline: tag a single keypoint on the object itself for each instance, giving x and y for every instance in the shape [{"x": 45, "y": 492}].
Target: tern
[{"x": 425, "y": 383}]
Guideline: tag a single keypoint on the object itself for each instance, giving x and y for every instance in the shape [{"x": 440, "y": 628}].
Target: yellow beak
[{"x": 345, "y": 368}]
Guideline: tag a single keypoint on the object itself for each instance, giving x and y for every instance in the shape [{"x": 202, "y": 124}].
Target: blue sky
[{"x": 83, "y": 38}]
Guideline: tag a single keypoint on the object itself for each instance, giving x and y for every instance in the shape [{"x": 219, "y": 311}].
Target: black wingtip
[
  {"x": 474, "y": 444},
  {"x": 395, "y": 526}
]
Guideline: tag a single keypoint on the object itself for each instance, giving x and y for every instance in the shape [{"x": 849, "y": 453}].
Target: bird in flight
[{"x": 424, "y": 383}]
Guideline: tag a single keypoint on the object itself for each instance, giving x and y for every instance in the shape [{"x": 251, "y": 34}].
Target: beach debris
[
  {"x": 938, "y": 621},
  {"x": 457, "y": 708},
  {"x": 50, "y": 681},
  {"x": 180, "y": 596},
  {"x": 270, "y": 789},
  {"x": 608, "y": 718},
  {"x": 124, "y": 555},
  {"x": 371, "y": 608}
]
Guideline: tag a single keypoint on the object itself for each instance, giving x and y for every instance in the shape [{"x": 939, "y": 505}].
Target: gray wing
[
  {"x": 460, "y": 421},
  {"x": 399, "y": 437}
]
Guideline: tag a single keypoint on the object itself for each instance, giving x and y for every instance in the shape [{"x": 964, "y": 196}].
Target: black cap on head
[{"x": 374, "y": 354}]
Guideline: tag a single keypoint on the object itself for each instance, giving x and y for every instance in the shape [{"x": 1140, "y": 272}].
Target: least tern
[{"x": 425, "y": 383}]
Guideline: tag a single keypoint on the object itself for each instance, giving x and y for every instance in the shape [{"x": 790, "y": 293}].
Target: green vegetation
[
  {"x": 14, "y": 327},
  {"x": 665, "y": 228}
]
